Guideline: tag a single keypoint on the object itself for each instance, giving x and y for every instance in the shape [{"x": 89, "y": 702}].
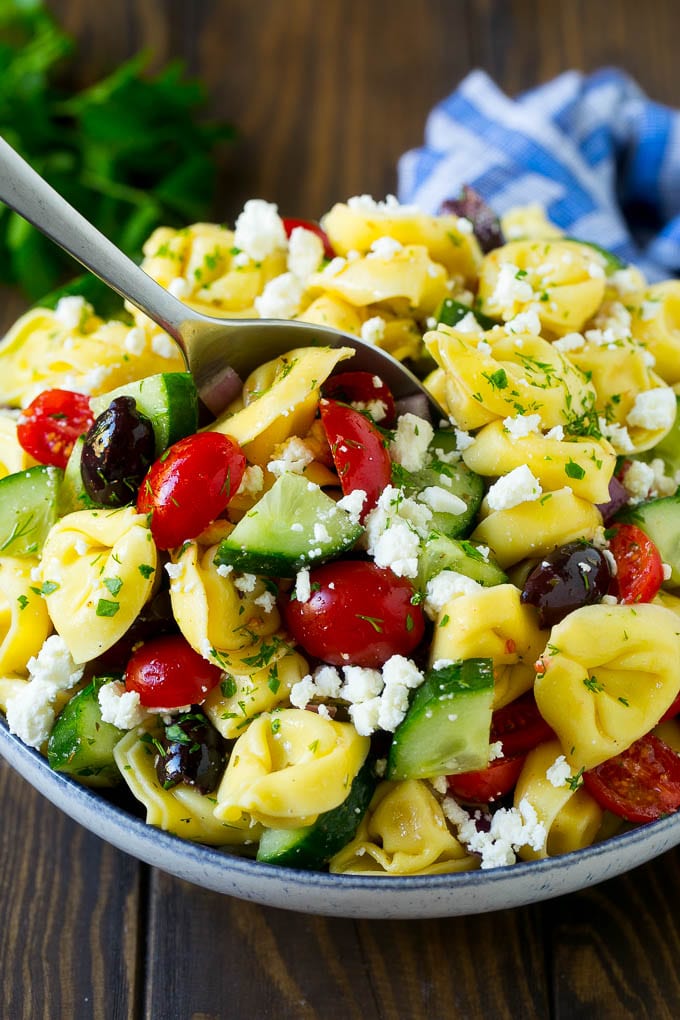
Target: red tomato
[
  {"x": 167, "y": 673},
  {"x": 51, "y": 423},
  {"x": 519, "y": 726},
  {"x": 358, "y": 450},
  {"x": 362, "y": 390},
  {"x": 641, "y": 784},
  {"x": 290, "y": 223},
  {"x": 639, "y": 570},
  {"x": 487, "y": 784},
  {"x": 189, "y": 486},
  {"x": 358, "y": 614}
]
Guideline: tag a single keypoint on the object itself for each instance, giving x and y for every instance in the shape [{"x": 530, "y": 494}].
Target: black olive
[
  {"x": 485, "y": 222},
  {"x": 574, "y": 575},
  {"x": 117, "y": 452},
  {"x": 193, "y": 753}
]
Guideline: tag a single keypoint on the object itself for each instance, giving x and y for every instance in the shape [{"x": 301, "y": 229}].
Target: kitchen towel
[{"x": 602, "y": 157}]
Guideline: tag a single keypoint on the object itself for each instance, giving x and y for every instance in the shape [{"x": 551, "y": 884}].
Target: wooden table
[{"x": 326, "y": 96}]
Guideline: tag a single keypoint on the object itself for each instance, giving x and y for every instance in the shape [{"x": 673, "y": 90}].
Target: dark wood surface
[{"x": 326, "y": 96}]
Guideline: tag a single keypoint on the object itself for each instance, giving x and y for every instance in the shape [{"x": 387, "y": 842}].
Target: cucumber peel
[{"x": 29, "y": 506}]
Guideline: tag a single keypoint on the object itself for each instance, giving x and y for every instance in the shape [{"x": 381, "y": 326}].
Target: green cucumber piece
[
  {"x": 72, "y": 494},
  {"x": 660, "y": 521},
  {"x": 29, "y": 502},
  {"x": 442, "y": 553},
  {"x": 277, "y": 537},
  {"x": 447, "y": 726},
  {"x": 463, "y": 483},
  {"x": 669, "y": 447},
  {"x": 169, "y": 400},
  {"x": 450, "y": 312},
  {"x": 81, "y": 743},
  {"x": 313, "y": 845}
]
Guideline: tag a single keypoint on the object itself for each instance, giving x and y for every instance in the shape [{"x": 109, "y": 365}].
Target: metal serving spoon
[{"x": 218, "y": 352}]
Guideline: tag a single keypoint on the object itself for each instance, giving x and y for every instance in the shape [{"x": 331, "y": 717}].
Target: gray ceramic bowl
[{"x": 341, "y": 895}]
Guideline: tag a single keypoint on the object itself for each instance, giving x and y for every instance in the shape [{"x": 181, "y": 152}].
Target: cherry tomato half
[
  {"x": 641, "y": 784},
  {"x": 189, "y": 486},
  {"x": 167, "y": 673},
  {"x": 487, "y": 784},
  {"x": 519, "y": 726},
  {"x": 365, "y": 392},
  {"x": 290, "y": 223},
  {"x": 672, "y": 710},
  {"x": 358, "y": 450},
  {"x": 358, "y": 613},
  {"x": 51, "y": 423},
  {"x": 639, "y": 569}
]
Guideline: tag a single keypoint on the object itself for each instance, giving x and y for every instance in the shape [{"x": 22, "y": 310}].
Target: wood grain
[{"x": 325, "y": 98}]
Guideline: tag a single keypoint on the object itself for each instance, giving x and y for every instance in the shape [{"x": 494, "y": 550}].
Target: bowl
[{"x": 313, "y": 892}]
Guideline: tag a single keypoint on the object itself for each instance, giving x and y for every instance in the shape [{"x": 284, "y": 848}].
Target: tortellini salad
[{"x": 325, "y": 630}]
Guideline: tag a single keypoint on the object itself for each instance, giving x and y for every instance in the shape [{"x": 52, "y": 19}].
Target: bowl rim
[{"x": 224, "y": 871}]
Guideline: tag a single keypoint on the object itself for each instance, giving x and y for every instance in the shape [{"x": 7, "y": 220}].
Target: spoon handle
[{"x": 25, "y": 191}]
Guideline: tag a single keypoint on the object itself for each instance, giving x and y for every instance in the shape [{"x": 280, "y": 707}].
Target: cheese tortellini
[
  {"x": 97, "y": 572},
  {"x": 600, "y": 695},
  {"x": 288, "y": 768},
  {"x": 24, "y": 621}
]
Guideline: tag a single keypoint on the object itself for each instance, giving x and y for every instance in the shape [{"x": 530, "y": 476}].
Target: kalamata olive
[
  {"x": 193, "y": 753},
  {"x": 574, "y": 575},
  {"x": 117, "y": 452},
  {"x": 485, "y": 222}
]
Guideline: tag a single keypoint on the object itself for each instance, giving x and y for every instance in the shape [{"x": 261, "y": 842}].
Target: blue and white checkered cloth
[{"x": 593, "y": 149}]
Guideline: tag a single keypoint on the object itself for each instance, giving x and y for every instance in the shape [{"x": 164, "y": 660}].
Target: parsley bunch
[{"x": 127, "y": 152}]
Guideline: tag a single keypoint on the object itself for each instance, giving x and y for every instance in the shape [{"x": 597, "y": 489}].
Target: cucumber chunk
[
  {"x": 294, "y": 525},
  {"x": 81, "y": 744},
  {"x": 442, "y": 553},
  {"x": 450, "y": 312},
  {"x": 72, "y": 494},
  {"x": 447, "y": 726},
  {"x": 169, "y": 400},
  {"x": 29, "y": 503},
  {"x": 313, "y": 845},
  {"x": 459, "y": 480},
  {"x": 660, "y": 521}
]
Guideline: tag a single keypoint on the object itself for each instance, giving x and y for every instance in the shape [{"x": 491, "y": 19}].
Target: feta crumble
[
  {"x": 259, "y": 229},
  {"x": 280, "y": 298},
  {"x": 559, "y": 773},
  {"x": 305, "y": 252},
  {"x": 373, "y": 330},
  {"x": 518, "y": 486},
  {"x": 412, "y": 438},
  {"x": 120, "y": 707}
]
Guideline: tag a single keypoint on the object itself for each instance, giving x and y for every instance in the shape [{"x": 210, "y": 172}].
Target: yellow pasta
[
  {"x": 214, "y": 615},
  {"x": 404, "y": 832},
  {"x": 234, "y": 703},
  {"x": 97, "y": 572},
  {"x": 585, "y": 465},
  {"x": 183, "y": 810},
  {"x": 24, "y": 622},
  {"x": 288, "y": 768},
  {"x": 562, "y": 281},
  {"x": 571, "y": 817},
  {"x": 492, "y": 623},
  {"x": 601, "y": 695},
  {"x": 655, "y": 323},
  {"x": 13, "y": 457},
  {"x": 537, "y": 527}
]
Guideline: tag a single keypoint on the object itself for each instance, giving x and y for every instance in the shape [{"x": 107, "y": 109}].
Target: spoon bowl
[{"x": 219, "y": 352}]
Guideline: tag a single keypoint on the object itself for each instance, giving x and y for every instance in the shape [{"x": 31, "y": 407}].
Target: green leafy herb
[{"x": 106, "y": 607}]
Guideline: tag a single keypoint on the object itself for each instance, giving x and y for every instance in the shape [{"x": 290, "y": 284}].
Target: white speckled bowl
[{"x": 341, "y": 895}]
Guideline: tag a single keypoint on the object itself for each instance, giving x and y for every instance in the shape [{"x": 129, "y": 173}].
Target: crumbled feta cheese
[
  {"x": 559, "y": 772},
  {"x": 252, "y": 481},
  {"x": 510, "y": 829},
  {"x": 625, "y": 281},
  {"x": 510, "y": 287},
  {"x": 259, "y": 229},
  {"x": 328, "y": 681},
  {"x": 439, "y": 785},
  {"x": 365, "y": 716},
  {"x": 518, "y": 486},
  {"x": 353, "y": 504},
  {"x": 649, "y": 309},
  {"x": 393, "y": 706},
  {"x": 385, "y": 248},
  {"x": 495, "y": 750},
  {"x": 638, "y": 480},
  {"x": 164, "y": 346},
  {"x": 373, "y": 330},
  {"x": 653, "y": 409},
  {"x": 556, "y": 432},
  {"x": 280, "y": 298},
  {"x": 302, "y": 692},
  {"x": 596, "y": 271},
  {"x": 569, "y": 342},
  {"x": 120, "y": 707},
  {"x": 179, "y": 287},
  {"x": 664, "y": 485},
  {"x": 30, "y": 709},
  {"x": 390, "y": 207},
  {"x": 412, "y": 437},
  {"x": 617, "y": 435},
  {"x": 484, "y": 348},
  {"x": 174, "y": 570},
  {"x": 609, "y": 600},
  {"x": 246, "y": 583},
  {"x": 70, "y": 311},
  {"x": 305, "y": 252},
  {"x": 267, "y": 600},
  {"x": 522, "y": 425},
  {"x": 400, "y": 670},
  {"x": 360, "y": 684},
  {"x": 135, "y": 341},
  {"x": 611, "y": 562},
  {"x": 224, "y": 569},
  {"x": 525, "y": 322},
  {"x": 469, "y": 325},
  {"x": 292, "y": 458},
  {"x": 463, "y": 440},
  {"x": 376, "y": 408},
  {"x": 443, "y": 587},
  {"x": 303, "y": 588},
  {"x": 441, "y": 501},
  {"x": 394, "y": 529},
  {"x": 667, "y": 571}
]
